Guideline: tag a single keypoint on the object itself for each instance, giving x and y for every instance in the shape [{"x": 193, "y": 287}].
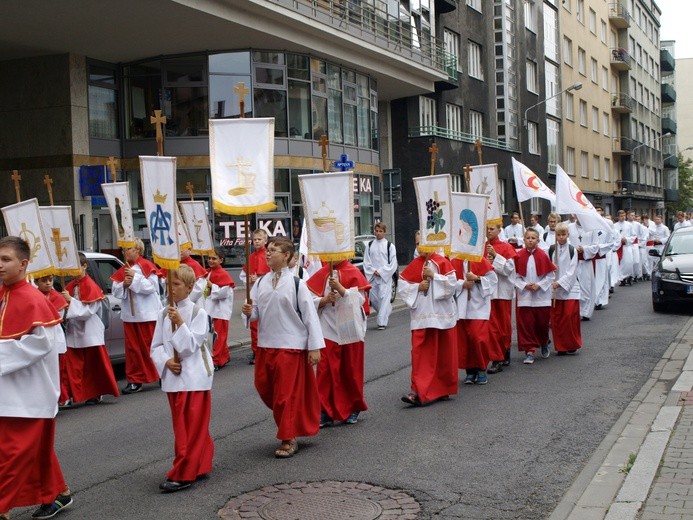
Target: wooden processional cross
[
  {"x": 242, "y": 92},
  {"x": 479, "y": 152},
  {"x": 434, "y": 155},
  {"x": 158, "y": 121},
  {"x": 190, "y": 189},
  {"x": 112, "y": 165},
  {"x": 16, "y": 178},
  {"x": 49, "y": 186},
  {"x": 324, "y": 141}
]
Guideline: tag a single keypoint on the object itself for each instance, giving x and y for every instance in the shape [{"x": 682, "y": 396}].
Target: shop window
[
  {"x": 299, "y": 110},
  {"x": 143, "y": 90},
  {"x": 224, "y": 101},
  {"x": 103, "y": 102},
  {"x": 272, "y": 103}
]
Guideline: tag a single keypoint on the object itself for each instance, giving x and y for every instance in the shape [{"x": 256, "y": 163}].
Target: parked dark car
[
  {"x": 360, "y": 245},
  {"x": 672, "y": 277}
]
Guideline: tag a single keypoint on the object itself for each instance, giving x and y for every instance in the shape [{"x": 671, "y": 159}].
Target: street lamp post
[{"x": 574, "y": 86}]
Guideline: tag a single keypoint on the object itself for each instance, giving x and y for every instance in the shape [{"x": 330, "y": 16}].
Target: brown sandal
[{"x": 287, "y": 452}]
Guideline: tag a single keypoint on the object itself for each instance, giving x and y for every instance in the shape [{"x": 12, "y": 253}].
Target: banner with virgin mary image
[{"x": 468, "y": 226}]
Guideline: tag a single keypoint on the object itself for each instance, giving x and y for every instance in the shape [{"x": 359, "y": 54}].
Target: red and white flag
[
  {"x": 529, "y": 185},
  {"x": 571, "y": 200}
]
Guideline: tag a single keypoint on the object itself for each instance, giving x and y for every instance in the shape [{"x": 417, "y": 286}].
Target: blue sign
[
  {"x": 98, "y": 201},
  {"x": 90, "y": 180},
  {"x": 344, "y": 164}
]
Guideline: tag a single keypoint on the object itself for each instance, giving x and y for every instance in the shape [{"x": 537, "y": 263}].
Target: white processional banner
[
  {"x": 435, "y": 212},
  {"x": 529, "y": 185},
  {"x": 483, "y": 180},
  {"x": 571, "y": 200},
  {"x": 197, "y": 224},
  {"x": 468, "y": 226},
  {"x": 159, "y": 197},
  {"x": 328, "y": 204},
  {"x": 62, "y": 245},
  {"x": 117, "y": 196},
  {"x": 184, "y": 240},
  {"x": 23, "y": 220},
  {"x": 241, "y": 155}
]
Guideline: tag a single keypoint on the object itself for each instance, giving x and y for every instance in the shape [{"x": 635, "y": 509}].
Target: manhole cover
[
  {"x": 320, "y": 507},
  {"x": 326, "y": 500}
]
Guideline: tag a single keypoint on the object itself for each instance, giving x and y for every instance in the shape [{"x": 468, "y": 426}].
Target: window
[
  {"x": 594, "y": 71},
  {"x": 569, "y": 108},
  {"x": 566, "y": 5},
  {"x": 349, "y": 106},
  {"x": 584, "y": 165},
  {"x": 427, "y": 113},
  {"x": 334, "y": 104},
  {"x": 103, "y": 102},
  {"x": 476, "y": 124},
  {"x": 453, "y": 117},
  {"x": 605, "y": 79},
  {"x": 605, "y": 32},
  {"x": 553, "y": 139},
  {"x": 451, "y": 41},
  {"x": 501, "y": 195},
  {"x": 606, "y": 119},
  {"x": 533, "y": 137},
  {"x": 581, "y": 11},
  {"x": 607, "y": 169},
  {"x": 474, "y": 60},
  {"x": 568, "y": 51},
  {"x": 570, "y": 161},
  {"x": 582, "y": 62},
  {"x": 531, "y": 16},
  {"x": 532, "y": 82},
  {"x": 456, "y": 183},
  {"x": 596, "y": 164},
  {"x": 595, "y": 119},
  {"x": 593, "y": 22},
  {"x": 474, "y": 4},
  {"x": 552, "y": 88},
  {"x": 583, "y": 113}
]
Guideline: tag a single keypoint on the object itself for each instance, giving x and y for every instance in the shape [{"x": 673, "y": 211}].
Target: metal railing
[
  {"x": 618, "y": 10},
  {"x": 454, "y": 135},
  {"x": 620, "y": 56},
  {"x": 622, "y": 100},
  {"x": 373, "y": 23}
]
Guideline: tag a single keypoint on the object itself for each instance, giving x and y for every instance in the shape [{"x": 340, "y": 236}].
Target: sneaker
[
  {"x": 353, "y": 418},
  {"x": 481, "y": 378},
  {"x": 506, "y": 361},
  {"x": 545, "y": 352},
  {"x": 95, "y": 400},
  {"x": 132, "y": 388},
  {"x": 469, "y": 380},
  {"x": 529, "y": 359},
  {"x": 381, "y": 327},
  {"x": 325, "y": 420},
  {"x": 52, "y": 509},
  {"x": 496, "y": 366},
  {"x": 251, "y": 359},
  {"x": 65, "y": 404}
]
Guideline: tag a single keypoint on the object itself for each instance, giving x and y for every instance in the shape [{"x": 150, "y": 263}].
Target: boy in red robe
[
  {"x": 45, "y": 285},
  {"x": 427, "y": 285},
  {"x": 219, "y": 306},
  {"x": 340, "y": 371},
  {"x": 257, "y": 263},
  {"x": 89, "y": 370},
  {"x": 29, "y": 388}
]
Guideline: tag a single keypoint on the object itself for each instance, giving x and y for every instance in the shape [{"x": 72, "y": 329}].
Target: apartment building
[{"x": 670, "y": 147}]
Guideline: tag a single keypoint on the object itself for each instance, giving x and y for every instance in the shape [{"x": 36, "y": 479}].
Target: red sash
[
  {"x": 146, "y": 266},
  {"x": 542, "y": 262},
  {"x": 25, "y": 308},
  {"x": 219, "y": 276},
  {"x": 89, "y": 292},
  {"x": 413, "y": 273},
  {"x": 56, "y": 299},
  {"x": 347, "y": 274}
]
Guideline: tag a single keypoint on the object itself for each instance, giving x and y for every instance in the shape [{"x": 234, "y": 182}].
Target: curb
[{"x": 602, "y": 491}]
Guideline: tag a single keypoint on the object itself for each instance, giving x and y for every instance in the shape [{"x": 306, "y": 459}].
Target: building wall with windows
[
  {"x": 670, "y": 147},
  {"x": 684, "y": 105}
]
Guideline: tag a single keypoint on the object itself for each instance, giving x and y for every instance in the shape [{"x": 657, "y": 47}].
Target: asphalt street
[{"x": 509, "y": 449}]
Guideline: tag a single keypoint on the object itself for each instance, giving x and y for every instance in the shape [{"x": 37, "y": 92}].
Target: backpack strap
[
  {"x": 388, "y": 249},
  {"x": 571, "y": 251},
  {"x": 204, "y": 346}
]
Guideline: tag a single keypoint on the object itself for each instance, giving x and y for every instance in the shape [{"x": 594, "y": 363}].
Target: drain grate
[{"x": 326, "y": 500}]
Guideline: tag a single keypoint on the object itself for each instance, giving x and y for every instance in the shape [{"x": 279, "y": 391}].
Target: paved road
[{"x": 509, "y": 449}]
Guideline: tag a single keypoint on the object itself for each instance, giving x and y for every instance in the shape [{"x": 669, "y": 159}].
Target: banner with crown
[
  {"x": 23, "y": 220},
  {"x": 197, "y": 224},
  {"x": 328, "y": 204},
  {"x": 60, "y": 234},
  {"x": 468, "y": 226},
  {"x": 435, "y": 212},
  {"x": 159, "y": 196},
  {"x": 184, "y": 240},
  {"x": 241, "y": 157},
  {"x": 117, "y": 196},
  {"x": 483, "y": 180}
]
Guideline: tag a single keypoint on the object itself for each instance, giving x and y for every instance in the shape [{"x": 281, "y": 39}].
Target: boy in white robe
[{"x": 379, "y": 265}]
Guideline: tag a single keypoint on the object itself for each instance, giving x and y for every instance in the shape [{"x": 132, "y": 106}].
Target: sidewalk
[{"x": 657, "y": 429}]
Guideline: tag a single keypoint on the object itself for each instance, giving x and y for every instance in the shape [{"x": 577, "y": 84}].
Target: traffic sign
[{"x": 344, "y": 164}]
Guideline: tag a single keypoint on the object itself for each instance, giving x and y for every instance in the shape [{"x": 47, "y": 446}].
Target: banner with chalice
[
  {"x": 159, "y": 196},
  {"x": 60, "y": 233},
  {"x": 197, "y": 223},
  {"x": 23, "y": 220}
]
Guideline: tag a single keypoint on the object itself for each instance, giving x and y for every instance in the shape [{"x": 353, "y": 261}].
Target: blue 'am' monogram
[{"x": 160, "y": 226}]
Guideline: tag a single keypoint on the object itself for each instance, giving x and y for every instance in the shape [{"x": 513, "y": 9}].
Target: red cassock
[
  {"x": 89, "y": 370},
  {"x": 286, "y": 384},
  {"x": 434, "y": 372},
  {"x": 29, "y": 470},
  {"x": 139, "y": 367},
  {"x": 500, "y": 322},
  {"x": 220, "y": 353},
  {"x": 59, "y": 304},
  {"x": 473, "y": 336},
  {"x": 533, "y": 322},
  {"x": 565, "y": 325},
  {"x": 258, "y": 266},
  {"x": 190, "y": 262},
  {"x": 341, "y": 369},
  {"x": 194, "y": 447}
]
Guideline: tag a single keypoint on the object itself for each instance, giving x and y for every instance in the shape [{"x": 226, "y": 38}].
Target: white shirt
[
  {"x": 683, "y": 224},
  {"x": 197, "y": 368},
  {"x": 517, "y": 232},
  {"x": 567, "y": 273},
  {"x": 84, "y": 327},
  {"x": 436, "y": 309},
  {"x": 328, "y": 313},
  {"x": 475, "y": 304},
  {"x": 219, "y": 302},
  {"x": 660, "y": 233},
  {"x": 375, "y": 258},
  {"x": 505, "y": 270},
  {"x": 546, "y": 243},
  {"x": 280, "y": 325},
  {"x": 145, "y": 297},
  {"x": 540, "y": 298},
  {"x": 577, "y": 236}
]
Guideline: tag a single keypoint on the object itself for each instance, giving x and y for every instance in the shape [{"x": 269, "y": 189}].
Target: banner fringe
[
  {"x": 220, "y": 207},
  {"x": 42, "y": 272},
  {"x": 466, "y": 256},
  {"x": 334, "y": 257},
  {"x": 125, "y": 244},
  {"x": 167, "y": 263}
]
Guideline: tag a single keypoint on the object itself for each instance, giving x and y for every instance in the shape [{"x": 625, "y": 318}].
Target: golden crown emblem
[{"x": 159, "y": 198}]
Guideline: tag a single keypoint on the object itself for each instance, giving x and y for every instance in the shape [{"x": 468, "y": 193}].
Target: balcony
[
  {"x": 452, "y": 81},
  {"x": 671, "y": 195},
  {"x": 620, "y": 59},
  {"x": 619, "y": 15},
  {"x": 671, "y": 162},
  {"x": 445, "y": 6},
  {"x": 454, "y": 135},
  {"x": 622, "y": 146},
  {"x": 668, "y": 125},
  {"x": 666, "y": 61},
  {"x": 668, "y": 93},
  {"x": 621, "y": 103}
]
